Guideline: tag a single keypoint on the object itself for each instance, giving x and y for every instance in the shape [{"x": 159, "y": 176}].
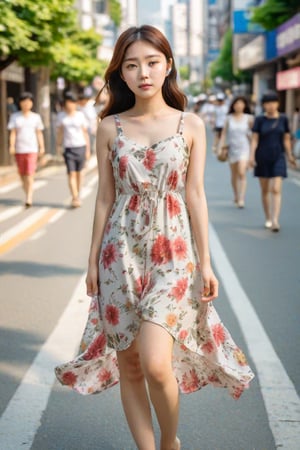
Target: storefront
[{"x": 288, "y": 79}]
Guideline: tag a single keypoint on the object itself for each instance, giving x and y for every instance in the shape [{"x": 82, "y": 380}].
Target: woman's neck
[{"x": 149, "y": 107}]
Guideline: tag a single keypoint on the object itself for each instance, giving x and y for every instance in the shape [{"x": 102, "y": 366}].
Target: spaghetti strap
[
  {"x": 181, "y": 123},
  {"x": 118, "y": 124}
]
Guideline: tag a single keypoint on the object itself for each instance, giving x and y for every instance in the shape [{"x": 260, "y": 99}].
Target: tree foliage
[
  {"x": 47, "y": 34},
  {"x": 115, "y": 11},
  {"x": 223, "y": 65},
  {"x": 273, "y": 13}
]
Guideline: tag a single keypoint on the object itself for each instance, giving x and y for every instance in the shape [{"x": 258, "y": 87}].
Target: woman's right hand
[
  {"x": 92, "y": 280},
  {"x": 251, "y": 163}
]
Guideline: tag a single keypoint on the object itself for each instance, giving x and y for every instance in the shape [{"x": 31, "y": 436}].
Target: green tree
[
  {"x": 115, "y": 11},
  {"x": 47, "y": 35},
  {"x": 273, "y": 13},
  {"x": 223, "y": 66}
]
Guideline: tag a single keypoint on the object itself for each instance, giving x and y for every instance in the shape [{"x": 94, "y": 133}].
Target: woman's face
[
  {"x": 271, "y": 107},
  {"x": 144, "y": 69},
  {"x": 239, "y": 106}
]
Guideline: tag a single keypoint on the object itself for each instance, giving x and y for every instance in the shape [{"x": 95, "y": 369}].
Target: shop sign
[
  {"x": 288, "y": 36},
  {"x": 252, "y": 54},
  {"x": 241, "y": 17},
  {"x": 288, "y": 79}
]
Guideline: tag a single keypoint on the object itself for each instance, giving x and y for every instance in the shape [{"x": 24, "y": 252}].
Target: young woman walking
[
  {"x": 151, "y": 325},
  {"x": 236, "y": 133},
  {"x": 270, "y": 146}
]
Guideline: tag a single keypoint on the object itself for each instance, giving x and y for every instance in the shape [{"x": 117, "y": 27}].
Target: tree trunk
[
  {"x": 43, "y": 103},
  {"x": 4, "y": 156}
]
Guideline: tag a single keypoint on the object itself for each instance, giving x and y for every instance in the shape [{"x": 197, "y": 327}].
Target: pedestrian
[
  {"x": 207, "y": 111},
  {"x": 270, "y": 142},
  {"x": 72, "y": 132},
  {"x": 86, "y": 105},
  {"x": 26, "y": 141},
  {"x": 236, "y": 133},
  {"x": 221, "y": 110},
  {"x": 11, "y": 107},
  {"x": 160, "y": 330}
]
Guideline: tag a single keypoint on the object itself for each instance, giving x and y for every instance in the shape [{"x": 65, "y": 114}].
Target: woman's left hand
[
  {"x": 210, "y": 285},
  {"x": 292, "y": 161}
]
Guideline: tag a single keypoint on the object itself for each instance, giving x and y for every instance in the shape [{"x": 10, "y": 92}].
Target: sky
[{"x": 149, "y": 8}]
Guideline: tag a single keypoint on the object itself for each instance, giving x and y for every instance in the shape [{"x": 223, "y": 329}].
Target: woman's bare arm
[
  {"x": 196, "y": 202},
  {"x": 104, "y": 201}
]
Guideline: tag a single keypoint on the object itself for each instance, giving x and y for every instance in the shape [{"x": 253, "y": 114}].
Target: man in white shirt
[{"x": 72, "y": 134}]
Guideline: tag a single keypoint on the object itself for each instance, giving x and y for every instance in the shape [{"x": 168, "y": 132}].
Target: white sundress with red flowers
[{"x": 149, "y": 270}]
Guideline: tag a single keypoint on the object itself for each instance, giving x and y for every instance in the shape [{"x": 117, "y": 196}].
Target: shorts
[
  {"x": 26, "y": 163},
  {"x": 218, "y": 131},
  {"x": 74, "y": 158}
]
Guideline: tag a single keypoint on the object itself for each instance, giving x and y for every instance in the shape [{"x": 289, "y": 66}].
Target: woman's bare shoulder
[{"x": 193, "y": 120}]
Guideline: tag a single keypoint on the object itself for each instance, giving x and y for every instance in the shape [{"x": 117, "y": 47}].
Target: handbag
[{"x": 223, "y": 153}]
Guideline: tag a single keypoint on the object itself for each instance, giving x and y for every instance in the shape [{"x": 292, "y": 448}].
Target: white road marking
[
  {"x": 7, "y": 235},
  {"x": 57, "y": 216},
  {"x": 10, "y": 212},
  {"x": 281, "y": 399},
  {"x": 11, "y": 186},
  {"x": 295, "y": 181},
  {"x": 37, "y": 235},
  {"x": 22, "y": 417}
]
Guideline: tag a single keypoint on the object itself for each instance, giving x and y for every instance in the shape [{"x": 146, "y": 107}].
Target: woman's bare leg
[
  {"x": 135, "y": 398},
  {"x": 276, "y": 188},
  {"x": 155, "y": 349},
  {"x": 242, "y": 180},
  {"x": 265, "y": 196},
  {"x": 234, "y": 181}
]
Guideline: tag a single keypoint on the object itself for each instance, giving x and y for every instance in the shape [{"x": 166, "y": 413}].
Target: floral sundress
[{"x": 149, "y": 270}]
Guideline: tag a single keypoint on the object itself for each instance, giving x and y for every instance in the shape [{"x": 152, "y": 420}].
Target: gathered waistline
[{"x": 145, "y": 192}]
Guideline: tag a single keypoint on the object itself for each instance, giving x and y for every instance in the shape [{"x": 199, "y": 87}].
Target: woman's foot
[
  {"x": 275, "y": 227},
  {"x": 177, "y": 444},
  {"x": 241, "y": 204},
  {"x": 28, "y": 205},
  {"x": 268, "y": 224},
  {"x": 75, "y": 203}
]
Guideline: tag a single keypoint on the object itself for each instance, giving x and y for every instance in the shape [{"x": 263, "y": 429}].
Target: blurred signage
[
  {"x": 288, "y": 36},
  {"x": 252, "y": 53},
  {"x": 288, "y": 79},
  {"x": 242, "y": 17}
]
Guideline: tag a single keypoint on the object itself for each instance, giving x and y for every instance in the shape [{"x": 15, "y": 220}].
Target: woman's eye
[
  {"x": 131, "y": 66},
  {"x": 151, "y": 63}
]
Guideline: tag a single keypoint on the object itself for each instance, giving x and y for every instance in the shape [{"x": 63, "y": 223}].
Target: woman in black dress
[{"x": 270, "y": 142}]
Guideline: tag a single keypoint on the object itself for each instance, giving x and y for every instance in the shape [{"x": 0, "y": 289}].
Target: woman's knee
[
  {"x": 129, "y": 365},
  {"x": 156, "y": 371}
]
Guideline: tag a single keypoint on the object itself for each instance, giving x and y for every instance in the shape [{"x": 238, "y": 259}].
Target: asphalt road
[{"x": 43, "y": 259}]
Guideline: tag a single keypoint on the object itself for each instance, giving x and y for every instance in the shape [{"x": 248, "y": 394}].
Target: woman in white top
[
  {"x": 236, "y": 133},
  {"x": 25, "y": 141},
  {"x": 72, "y": 132}
]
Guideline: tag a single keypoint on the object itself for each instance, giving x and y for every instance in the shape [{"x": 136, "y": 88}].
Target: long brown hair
[{"x": 121, "y": 98}]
